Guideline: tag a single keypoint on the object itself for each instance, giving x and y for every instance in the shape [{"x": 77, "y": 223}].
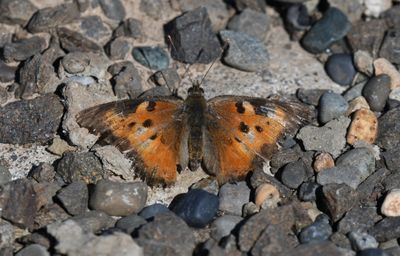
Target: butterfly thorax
[{"x": 195, "y": 109}]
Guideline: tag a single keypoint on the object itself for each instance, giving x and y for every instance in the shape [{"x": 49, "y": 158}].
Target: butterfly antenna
[{"x": 223, "y": 48}]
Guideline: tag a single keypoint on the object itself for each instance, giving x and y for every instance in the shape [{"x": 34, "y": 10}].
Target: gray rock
[
  {"x": 130, "y": 28},
  {"x": 340, "y": 68},
  {"x": 310, "y": 96},
  {"x": 74, "y": 41},
  {"x": 363, "y": 35},
  {"x": 113, "y": 9},
  {"x": 273, "y": 241},
  {"x": 372, "y": 188},
  {"x": 94, "y": 221},
  {"x": 354, "y": 91},
  {"x": 307, "y": 191},
  {"x": 208, "y": 184},
  {"x": 33, "y": 249},
  {"x": 44, "y": 172},
  {"x": 338, "y": 199},
  {"x": 126, "y": 80},
  {"x": 75, "y": 62},
  {"x": 85, "y": 64},
  {"x": 232, "y": 197},
  {"x": 150, "y": 211},
  {"x": 245, "y": 52},
  {"x": 361, "y": 241},
  {"x": 119, "y": 48},
  {"x": 151, "y": 57},
  {"x": 359, "y": 219},
  {"x": 293, "y": 174},
  {"x": 36, "y": 122},
  {"x": 114, "y": 161},
  {"x": 352, "y": 168},
  {"x": 392, "y": 159},
  {"x": 389, "y": 129},
  {"x": 45, "y": 192},
  {"x": 95, "y": 29},
  {"x": 331, "y": 106},
  {"x": 5, "y": 175},
  {"x": 74, "y": 197},
  {"x": 130, "y": 223},
  {"x": 48, "y": 214},
  {"x": 7, "y": 234},
  {"x": 7, "y": 73},
  {"x": 48, "y": 18},
  {"x": 119, "y": 199},
  {"x": 315, "y": 138},
  {"x": 376, "y": 92},
  {"x": 389, "y": 46},
  {"x": 23, "y": 49},
  {"x": 340, "y": 240},
  {"x": 161, "y": 236},
  {"x": 153, "y": 8},
  {"x": 223, "y": 226},
  {"x": 250, "y": 22},
  {"x": 386, "y": 229},
  {"x": 84, "y": 167},
  {"x": 320, "y": 230},
  {"x": 16, "y": 11},
  {"x": 325, "y": 248}
]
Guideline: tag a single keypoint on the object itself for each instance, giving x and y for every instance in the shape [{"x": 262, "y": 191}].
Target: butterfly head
[{"x": 196, "y": 90}]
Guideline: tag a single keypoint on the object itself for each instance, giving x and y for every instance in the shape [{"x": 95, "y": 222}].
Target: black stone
[
  {"x": 30, "y": 121},
  {"x": 74, "y": 197},
  {"x": 372, "y": 252},
  {"x": 376, "y": 92},
  {"x": 320, "y": 230},
  {"x": 340, "y": 68},
  {"x": 307, "y": 191},
  {"x": 113, "y": 9},
  {"x": 192, "y": 38},
  {"x": 297, "y": 18},
  {"x": 390, "y": 46},
  {"x": 23, "y": 49},
  {"x": 126, "y": 79},
  {"x": 293, "y": 174}
]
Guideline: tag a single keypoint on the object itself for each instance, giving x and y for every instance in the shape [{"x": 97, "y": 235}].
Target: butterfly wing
[
  {"x": 241, "y": 130},
  {"x": 147, "y": 130}
]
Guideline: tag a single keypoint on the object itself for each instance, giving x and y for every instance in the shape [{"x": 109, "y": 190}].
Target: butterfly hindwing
[
  {"x": 241, "y": 130},
  {"x": 149, "y": 130}
]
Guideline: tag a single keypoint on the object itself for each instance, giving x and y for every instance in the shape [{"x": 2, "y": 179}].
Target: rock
[
  {"x": 161, "y": 236},
  {"x": 130, "y": 223},
  {"x": 375, "y": 7},
  {"x": 363, "y": 127},
  {"x": 255, "y": 5},
  {"x": 373, "y": 187},
  {"x": 84, "y": 167},
  {"x": 332, "y": 27},
  {"x": 45, "y": 192},
  {"x": 3, "y": 95},
  {"x": 267, "y": 196},
  {"x": 197, "y": 207},
  {"x": 388, "y": 48},
  {"x": 126, "y": 80},
  {"x": 5, "y": 175},
  {"x": 372, "y": 252},
  {"x": 74, "y": 197},
  {"x": 325, "y": 248},
  {"x": 85, "y": 64},
  {"x": 118, "y": 199},
  {"x": 59, "y": 147},
  {"x": 285, "y": 156},
  {"x": 391, "y": 158},
  {"x": 232, "y": 197},
  {"x": 273, "y": 241},
  {"x": 340, "y": 68},
  {"x": 359, "y": 219},
  {"x": 376, "y": 92},
  {"x": 94, "y": 221},
  {"x": 18, "y": 203},
  {"x": 223, "y": 226},
  {"x": 352, "y": 168},
  {"x": 323, "y": 161},
  {"x": 314, "y": 138},
  {"x": 7, "y": 73},
  {"x": 383, "y": 66},
  {"x": 130, "y": 28},
  {"x": 361, "y": 241},
  {"x": 150, "y": 211},
  {"x": 386, "y": 229},
  {"x": 250, "y": 22},
  {"x": 36, "y": 122},
  {"x": 250, "y": 209},
  {"x": 364, "y": 62},
  {"x": 391, "y": 204},
  {"x": 23, "y": 49},
  {"x": 259, "y": 177},
  {"x": 389, "y": 129},
  {"x": 151, "y": 57},
  {"x": 310, "y": 96},
  {"x": 307, "y": 191},
  {"x": 95, "y": 29},
  {"x": 331, "y": 106},
  {"x": 153, "y": 8},
  {"x": 33, "y": 249},
  {"x": 193, "y": 38},
  {"x": 118, "y": 49},
  {"x": 114, "y": 161},
  {"x": 297, "y": 18},
  {"x": 245, "y": 52},
  {"x": 49, "y": 18},
  {"x": 293, "y": 174},
  {"x": 49, "y": 213},
  {"x": 356, "y": 104},
  {"x": 338, "y": 199},
  {"x": 320, "y": 230},
  {"x": 73, "y": 41},
  {"x": 352, "y": 9},
  {"x": 16, "y": 12},
  {"x": 7, "y": 234},
  {"x": 113, "y": 9},
  {"x": 355, "y": 91},
  {"x": 208, "y": 184},
  {"x": 44, "y": 172}
]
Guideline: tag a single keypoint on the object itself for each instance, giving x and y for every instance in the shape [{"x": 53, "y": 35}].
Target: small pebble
[
  {"x": 391, "y": 204},
  {"x": 354, "y": 91},
  {"x": 340, "y": 68},
  {"x": 113, "y": 9},
  {"x": 374, "y": 8},
  {"x": 363, "y": 127},
  {"x": 250, "y": 22},
  {"x": 244, "y": 52},
  {"x": 75, "y": 62},
  {"x": 223, "y": 226},
  {"x": 307, "y": 191},
  {"x": 250, "y": 209},
  {"x": 7, "y": 73},
  {"x": 74, "y": 197},
  {"x": 320, "y": 230},
  {"x": 383, "y": 66},
  {"x": 297, "y": 17},
  {"x": 267, "y": 196},
  {"x": 152, "y": 210},
  {"x": 209, "y": 184},
  {"x": 323, "y": 161},
  {"x": 331, "y": 106},
  {"x": 356, "y": 104},
  {"x": 5, "y": 175},
  {"x": 197, "y": 207},
  {"x": 372, "y": 252},
  {"x": 117, "y": 198},
  {"x": 338, "y": 199},
  {"x": 130, "y": 28},
  {"x": 151, "y": 57},
  {"x": 33, "y": 250},
  {"x": 376, "y": 92},
  {"x": 364, "y": 62},
  {"x": 119, "y": 48},
  {"x": 362, "y": 240},
  {"x": 130, "y": 223},
  {"x": 232, "y": 197},
  {"x": 358, "y": 218},
  {"x": 310, "y": 96},
  {"x": 389, "y": 48},
  {"x": 293, "y": 174}
]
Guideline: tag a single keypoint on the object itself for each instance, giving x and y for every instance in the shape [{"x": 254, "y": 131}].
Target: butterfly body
[{"x": 229, "y": 135}]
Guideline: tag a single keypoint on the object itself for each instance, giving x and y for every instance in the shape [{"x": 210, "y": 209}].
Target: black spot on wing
[
  {"x": 151, "y": 106},
  {"x": 147, "y": 123},
  {"x": 131, "y": 124},
  {"x": 243, "y": 127},
  {"x": 153, "y": 137},
  {"x": 239, "y": 107},
  {"x": 259, "y": 128}
]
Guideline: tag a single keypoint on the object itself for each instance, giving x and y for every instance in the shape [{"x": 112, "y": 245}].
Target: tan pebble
[
  {"x": 383, "y": 66},
  {"x": 356, "y": 104},
  {"x": 323, "y": 161},
  {"x": 363, "y": 62},
  {"x": 391, "y": 204},
  {"x": 312, "y": 210},
  {"x": 364, "y": 126},
  {"x": 267, "y": 196}
]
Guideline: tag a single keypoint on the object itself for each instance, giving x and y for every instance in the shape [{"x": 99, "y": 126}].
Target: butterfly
[{"x": 228, "y": 135}]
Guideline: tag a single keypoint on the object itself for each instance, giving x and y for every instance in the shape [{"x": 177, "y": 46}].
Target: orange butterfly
[{"x": 228, "y": 134}]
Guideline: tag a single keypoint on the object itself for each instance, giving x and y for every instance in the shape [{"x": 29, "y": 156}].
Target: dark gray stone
[
  {"x": 130, "y": 223},
  {"x": 153, "y": 8},
  {"x": 48, "y": 214},
  {"x": 44, "y": 172},
  {"x": 376, "y": 92},
  {"x": 16, "y": 11},
  {"x": 208, "y": 184},
  {"x": 150, "y": 211},
  {"x": 245, "y": 52},
  {"x": 193, "y": 38},
  {"x": 340, "y": 240},
  {"x": 166, "y": 235},
  {"x": 23, "y": 49},
  {"x": 75, "y": 62},
  {"x": 310, "y": 96},
  {"x": 74, "y": 197},
  {"x": 358, "y": 219},
  {"x": 392, "y": 159},
  {"x": 273, "y": 241},
  {"x": 320, "y": 230},
  {"x": 49, "y": 18},
  {"x": 130, "y": 28},
  {"x": 223, "y": 226},
  {"x": 7, "y": 73},
  {"x": 307, "y": 191},
  {"x": 297, "y": 18},
  {"x": 30, "y": 121},
  {"x": 338, "y": 199},
  {"x": 390, "y": 46},
  {"x": 354, "y": 91},
  {"x": 232, "y": 197},
  {"x": 259, "y": 177},
  {"x": 256, "y": 5},
  {"x": 362, "y": 240},
  {"x": 293, "y": 174},
  {"x": 386, "y": 229},
  {"x": 72, "y": 41},
  {"x": 320, "y": 248},
  {"x": 372, "y": 252},
  {"x": 250, "y": 22},
  {"x": 389, "y": 129},
  {"x": 84, "y": 167},
  {"x": 94, "y": 221},
  {"x": 331, "y": 106},
  {"x": 151, "y": 57},
  {"x": 126, "y": 80},
  {"x": 33, "y": 249},
  {"x": 167, "y": 77},
  {"x": 113, "y": 9},
  {"x": 371, "y": 189},
  {"x": 119, "y": 48},
  {"x": 95, "y": 29},
  {"x": 7, "y": 235},
  {"x": 5, "y": 175},
  {"x": 340, "y": 68},
  {"x": 332, "y": 27}
]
